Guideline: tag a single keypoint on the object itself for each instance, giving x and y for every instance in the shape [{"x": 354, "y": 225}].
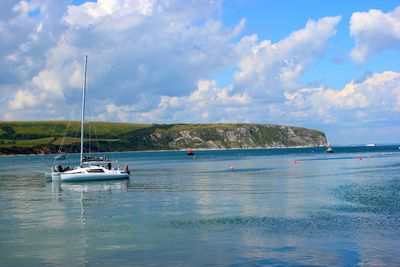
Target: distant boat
[
  {"x": 60, "y": 157},
  {"x": 89, "y": 168},
  {"x": 190, "y": 152},
  {"x": 370, "y": 145},
  {"x": 329, "y": 150}
]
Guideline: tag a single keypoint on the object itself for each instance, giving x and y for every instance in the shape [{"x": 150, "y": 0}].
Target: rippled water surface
[{"x": 238, "y": 208}]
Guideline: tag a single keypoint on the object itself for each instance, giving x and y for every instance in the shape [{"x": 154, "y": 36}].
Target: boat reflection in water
[
  {"x": 94, "y": 186},
  {"x": 94, "y": 192}
]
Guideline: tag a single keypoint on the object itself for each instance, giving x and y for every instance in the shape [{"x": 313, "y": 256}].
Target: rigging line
[
  {"x": 91, "y": 123},
  {"x": 62, "y": 142},
  {"x": 107, "y": 132},
  {"x": 59, "y": 123},
  {"x": 89, "y": 136},
  {"x": 83, "y": 109},
  {"x": 51, "y": 135},
  {"x": 88, "y": 122},
  {"x": 71, "y": 132},
  {"x": 95, "y": 134}
]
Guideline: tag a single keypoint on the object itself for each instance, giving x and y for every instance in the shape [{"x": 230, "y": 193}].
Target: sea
[{"x": 261, "y": 207}]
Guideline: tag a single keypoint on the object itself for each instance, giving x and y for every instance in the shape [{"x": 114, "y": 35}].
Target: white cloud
[
  {"x": 28, "y": 30},
  {"x": 208, "y": 92},
  {"x": 207, "y": 102},
  {"x": 24, "y": 7},
  {"x": 24, "y": 99},
  {"x": 147, "y": 73},
  {"x": 267, "y": 70},
  {"x": 43, "y": 92},
  {"x": 177, "y": 43},
  {"x": 377, "y": 98},
  {"x": 91, "y": 13},
  {"x": 157, "y": 47},
  {"x": 374, "y": 31},
  {"x": 48, "y": 81}
]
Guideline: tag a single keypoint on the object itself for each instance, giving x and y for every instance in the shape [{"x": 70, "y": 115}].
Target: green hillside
[
  {"x": 32, "y": 137},
  {"x": 24, "y": 137}
]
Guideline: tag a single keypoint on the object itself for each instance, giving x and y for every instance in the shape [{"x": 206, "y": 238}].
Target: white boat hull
[
  {"x": 87, "y": 174},
  {"x": 86, "y": 177}
]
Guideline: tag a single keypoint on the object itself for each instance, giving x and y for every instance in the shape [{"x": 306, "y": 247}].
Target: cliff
[
  {"x": 233, "y": 136},
  {"x": 49, "y": 137}
]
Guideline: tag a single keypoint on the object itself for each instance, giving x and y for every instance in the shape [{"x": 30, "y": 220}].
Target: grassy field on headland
[
  {"x": 37, "y": 137},
  {"x": 22, "y": 137}
]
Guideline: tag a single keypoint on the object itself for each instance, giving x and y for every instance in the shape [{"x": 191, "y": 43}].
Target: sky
[{"x": 333, "y": 67}]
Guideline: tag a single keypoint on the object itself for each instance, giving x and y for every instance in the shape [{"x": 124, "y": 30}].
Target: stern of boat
[{"x": 55, "y": 176}]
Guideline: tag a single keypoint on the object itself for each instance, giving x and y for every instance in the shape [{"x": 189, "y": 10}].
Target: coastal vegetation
[{"x": 37, "y": 137}]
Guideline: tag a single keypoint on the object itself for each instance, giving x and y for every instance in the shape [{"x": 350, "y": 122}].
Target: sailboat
[
  {"x": 89, "y": 168},
  {"x": 329, "y": 149}
]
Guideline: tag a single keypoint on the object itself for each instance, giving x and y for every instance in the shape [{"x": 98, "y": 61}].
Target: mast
[{"x": 83, "y": 107}]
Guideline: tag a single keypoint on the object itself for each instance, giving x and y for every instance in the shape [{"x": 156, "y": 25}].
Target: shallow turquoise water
[{"x": 274, "y": 207}]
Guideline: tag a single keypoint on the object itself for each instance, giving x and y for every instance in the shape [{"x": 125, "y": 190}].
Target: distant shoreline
[
  {"x": 171, "y": 150},
  {"x": 208, "y": 149}
]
